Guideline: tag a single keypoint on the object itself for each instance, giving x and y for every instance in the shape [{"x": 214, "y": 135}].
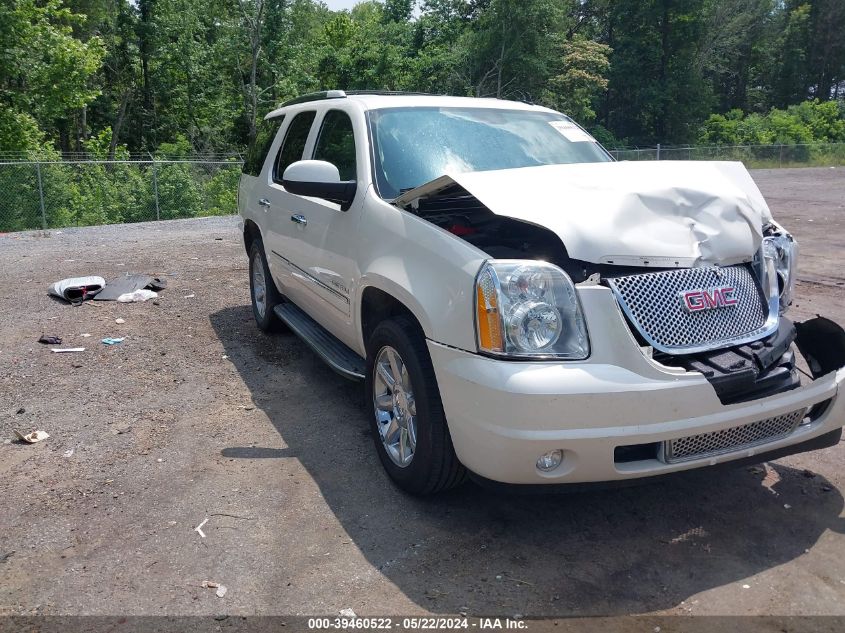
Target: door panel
[
  {"x": 250, "y": 189},
  {"x": 310, "y": 242},
  {"x": 324, "y": 253},
  {"x": 283, "y": 236}
]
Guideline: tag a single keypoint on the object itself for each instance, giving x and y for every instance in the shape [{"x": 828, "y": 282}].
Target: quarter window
[
  {"x": 336, "y": 144},
  {"x": 294, "y": 144},
  {"x": 257, "y": 152}
]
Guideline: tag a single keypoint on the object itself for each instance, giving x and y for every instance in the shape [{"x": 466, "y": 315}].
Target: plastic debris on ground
[
  {"x": 137, "y": 296},
  {"x": 347, "y": 613},
  {"x": 32, "y": 438},
  {"x": 221, "y": 589},
  {"x": 66, "y": 350},
  {"x": 129, "y": 284},
  {"x": 77, "y": 289},
  {"x": 198, "y": 529},
  {"x": 49, "y": 339},
  {"x": 120, "y": 321},
  {"x": 113, "y": 341}
]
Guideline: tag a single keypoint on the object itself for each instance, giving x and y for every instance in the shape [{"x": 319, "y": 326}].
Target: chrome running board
[{"x": 328, "y": 347}]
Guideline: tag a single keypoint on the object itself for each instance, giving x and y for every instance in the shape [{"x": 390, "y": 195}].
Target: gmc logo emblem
[{"x": 709, "y": 298}]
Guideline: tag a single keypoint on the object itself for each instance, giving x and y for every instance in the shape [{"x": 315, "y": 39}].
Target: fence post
[
  {"x": 780, "y": 156},
  {"x": 41, "y": 197},
  {"x": 658, "y": 151},
  {"x": 155, "y": 186}
]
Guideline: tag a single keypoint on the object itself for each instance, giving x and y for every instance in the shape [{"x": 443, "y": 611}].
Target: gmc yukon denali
[{"x": 523, "y": 309}]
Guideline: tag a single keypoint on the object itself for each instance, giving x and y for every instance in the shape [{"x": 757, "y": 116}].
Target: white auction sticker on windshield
[{"x": 572, "y": 132}]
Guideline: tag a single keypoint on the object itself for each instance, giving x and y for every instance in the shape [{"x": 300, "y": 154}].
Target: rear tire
[
  {"x": 411, "y": 413},
  {"x": 262, "y": 289}
]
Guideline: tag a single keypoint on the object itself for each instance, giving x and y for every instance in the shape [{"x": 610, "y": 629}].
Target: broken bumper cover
[{"x": 504, "y": 415}]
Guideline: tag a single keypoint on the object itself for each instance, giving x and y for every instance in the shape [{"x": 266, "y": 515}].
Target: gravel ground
[{"x": 199, "y": 416}]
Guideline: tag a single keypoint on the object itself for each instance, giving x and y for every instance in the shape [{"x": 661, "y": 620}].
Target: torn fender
[{"x": 658, "y": 214}]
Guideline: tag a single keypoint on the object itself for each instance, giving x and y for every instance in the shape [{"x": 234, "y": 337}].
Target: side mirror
[{"x": 319, "y": 179}]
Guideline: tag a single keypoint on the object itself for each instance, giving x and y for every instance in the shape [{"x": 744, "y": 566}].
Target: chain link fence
[
  {"x": 62, "y": 193},
  {"x": 754, "y": 156},
  {"x": 49, "y": 194}
]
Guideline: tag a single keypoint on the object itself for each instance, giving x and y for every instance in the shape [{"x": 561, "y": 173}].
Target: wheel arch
[
  {"x": 378, "y": 304},
  {"x": 251, "y": 233}
]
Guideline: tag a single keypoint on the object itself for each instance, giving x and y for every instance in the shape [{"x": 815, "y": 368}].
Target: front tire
[
  {"x": 406, "y": 413},
  {"x": 262, "y": 289}
]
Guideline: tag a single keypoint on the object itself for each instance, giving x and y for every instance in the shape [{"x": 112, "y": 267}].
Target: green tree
[
  {"x": 581, "y": 79},
  {"x": 657, "y": 91},
  {"x": 364, "y": 49},
  {"x": 45, "y": 72},
  {"x": 734, "y": 50},
  {"x": 807, "y": 122},
  {"x": 508, "y": 49}
]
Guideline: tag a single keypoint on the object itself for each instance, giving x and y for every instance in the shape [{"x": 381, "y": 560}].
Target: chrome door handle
[
  {"x": 299, "y": 219},
  {"x": 264, "y": 202}
]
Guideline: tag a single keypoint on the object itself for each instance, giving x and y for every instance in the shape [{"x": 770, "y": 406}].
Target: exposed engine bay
[{"x": 501, "y": 237}]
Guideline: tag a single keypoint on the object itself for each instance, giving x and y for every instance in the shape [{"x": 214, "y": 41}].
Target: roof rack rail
[
  {"x": 316, "y": 96},
  {"x": 342, "y": 94},
  {"x": 389, "y": 93}
]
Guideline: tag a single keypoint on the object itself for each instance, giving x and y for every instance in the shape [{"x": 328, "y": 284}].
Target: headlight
[
  {"x": 528, "y": 309},
  {"x": 779, "y": 256},
  {"x": 785, "y": 256}
]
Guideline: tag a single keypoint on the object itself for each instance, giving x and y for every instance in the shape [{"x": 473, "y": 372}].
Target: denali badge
[{"x": 709, "y": 298}]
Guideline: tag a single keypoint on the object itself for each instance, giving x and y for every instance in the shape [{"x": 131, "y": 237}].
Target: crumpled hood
[{"x": 648, "y": 213}]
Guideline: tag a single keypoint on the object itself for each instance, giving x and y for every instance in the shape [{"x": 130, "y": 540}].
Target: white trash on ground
[
  {"x": 198, "y": 529},
  {"x": 221, "y": 589},
  {"x": 32, "y": 438},
  {"x": 137, "y": 296}
]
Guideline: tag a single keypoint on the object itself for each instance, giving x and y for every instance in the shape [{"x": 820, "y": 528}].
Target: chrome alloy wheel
[
  {"x": 259, "y": 285},
  {"x": 396, "y": 410}
]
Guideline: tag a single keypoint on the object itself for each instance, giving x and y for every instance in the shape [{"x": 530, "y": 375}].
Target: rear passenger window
[
  {"x": 294, "y": 144},
  {"x": 256, "y": 154},
  {"x": 336, "y": 143}
]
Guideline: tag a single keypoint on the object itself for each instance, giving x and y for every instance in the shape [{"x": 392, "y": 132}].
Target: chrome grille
[
  {"x": 733, "y": 439},
  {"x": 653, "y": 302}
]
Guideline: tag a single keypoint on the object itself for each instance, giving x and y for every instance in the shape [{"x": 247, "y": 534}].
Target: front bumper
[{"x": 503, "y": 415}]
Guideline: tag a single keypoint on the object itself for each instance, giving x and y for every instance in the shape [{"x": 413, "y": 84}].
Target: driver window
[{"x": 336, "y": 144}]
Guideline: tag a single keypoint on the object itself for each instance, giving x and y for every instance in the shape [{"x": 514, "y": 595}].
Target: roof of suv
[{"x": 375, "y": 100}]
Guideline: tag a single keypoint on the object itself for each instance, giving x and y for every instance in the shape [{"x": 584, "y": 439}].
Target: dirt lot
[{"x": 199, "y": 416}]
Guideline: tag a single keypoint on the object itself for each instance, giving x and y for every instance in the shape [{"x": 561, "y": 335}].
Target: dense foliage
[{"x": 136, "y": 75}]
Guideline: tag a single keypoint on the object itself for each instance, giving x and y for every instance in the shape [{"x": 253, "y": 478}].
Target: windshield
[{"x": 413, "y": 146}]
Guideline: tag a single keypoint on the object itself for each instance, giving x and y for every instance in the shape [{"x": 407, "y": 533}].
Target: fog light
[{"x": 550, "y": 460}]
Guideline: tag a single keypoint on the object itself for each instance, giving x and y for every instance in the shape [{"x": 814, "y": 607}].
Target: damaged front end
[{"x": 712, "y": 301}]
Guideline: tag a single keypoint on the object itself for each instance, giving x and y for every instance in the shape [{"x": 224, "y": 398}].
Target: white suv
[{"x": 522, "y": 308}]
